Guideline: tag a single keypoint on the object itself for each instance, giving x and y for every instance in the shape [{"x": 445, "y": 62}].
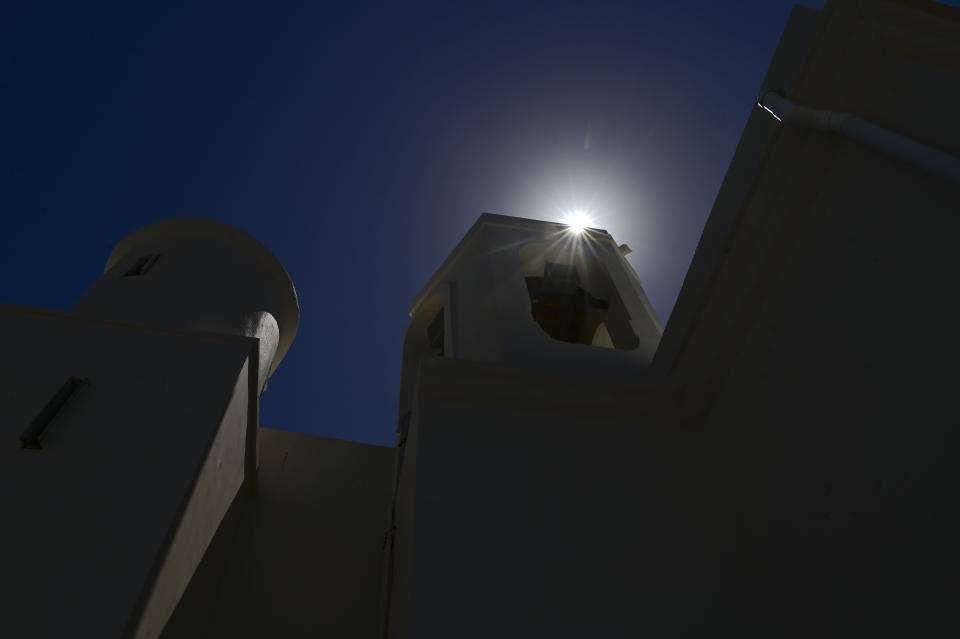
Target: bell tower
[
  {"x": 531, "y": 294},
  {"x": 520, "y": 321}
]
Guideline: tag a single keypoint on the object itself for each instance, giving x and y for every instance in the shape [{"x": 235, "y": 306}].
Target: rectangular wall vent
[
  {"x": 32, "y": 436},
  {"x": 142, "y": 265}
]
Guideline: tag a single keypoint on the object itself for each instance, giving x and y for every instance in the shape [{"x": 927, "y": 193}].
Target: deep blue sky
[{"x": 359, "y": 143}]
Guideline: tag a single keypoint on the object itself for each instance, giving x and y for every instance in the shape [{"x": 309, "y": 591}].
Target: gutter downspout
[{"x": 893, "y": 144}]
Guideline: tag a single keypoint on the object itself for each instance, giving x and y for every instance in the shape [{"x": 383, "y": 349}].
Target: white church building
[{"x": 778, "y": 460}]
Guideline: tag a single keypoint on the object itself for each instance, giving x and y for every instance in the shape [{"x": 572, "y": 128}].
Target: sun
[{"x": 577, "y": 221}]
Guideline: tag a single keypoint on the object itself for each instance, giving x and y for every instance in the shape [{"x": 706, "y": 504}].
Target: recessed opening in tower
[
  {"x": 435, "y": 334},
  {"x": 142, "y": 265},
  {"x": 563, "y": 308}
]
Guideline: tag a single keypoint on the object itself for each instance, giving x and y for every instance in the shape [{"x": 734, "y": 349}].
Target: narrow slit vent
[
  {"x": 142, "y": 265},
  {"x": 33, "y": 435}
]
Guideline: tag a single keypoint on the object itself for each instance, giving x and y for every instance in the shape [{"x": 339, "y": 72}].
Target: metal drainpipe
[{"x": 899, "y": 146}]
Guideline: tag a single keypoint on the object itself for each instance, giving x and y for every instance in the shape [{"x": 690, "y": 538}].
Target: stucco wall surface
[
  {"x": 87, "y": 519},
  {"x": 786, "y": 469},
  {"x": 815, "y": 498},
  {"x": 202, "y": 275},
  {"x": 305, "y": 557},
  {"x": 214, "y": 490},
  {"x": 531, "y": 524}
]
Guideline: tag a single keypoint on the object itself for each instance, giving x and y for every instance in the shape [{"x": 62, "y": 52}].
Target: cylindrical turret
[{"x": 198, "y": 275}]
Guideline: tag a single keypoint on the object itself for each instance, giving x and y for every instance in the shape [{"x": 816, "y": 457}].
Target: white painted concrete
[
  {"x": 779, "y": 463},
  {"x": 207, "y": 276},
  {"x": 483, "y": 291},
  {"x": 785, "y": 466},
  {"x": 304, "y": 558},
  {"x": 88, "y": 518},
  {"x": 217, "y": 485}
]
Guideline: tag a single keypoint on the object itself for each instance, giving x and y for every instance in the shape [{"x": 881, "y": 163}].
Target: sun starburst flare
[{"x": 577, "y": 221}]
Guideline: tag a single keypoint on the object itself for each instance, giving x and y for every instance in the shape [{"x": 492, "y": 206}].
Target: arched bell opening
[{"x": 572, "y": 297}]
